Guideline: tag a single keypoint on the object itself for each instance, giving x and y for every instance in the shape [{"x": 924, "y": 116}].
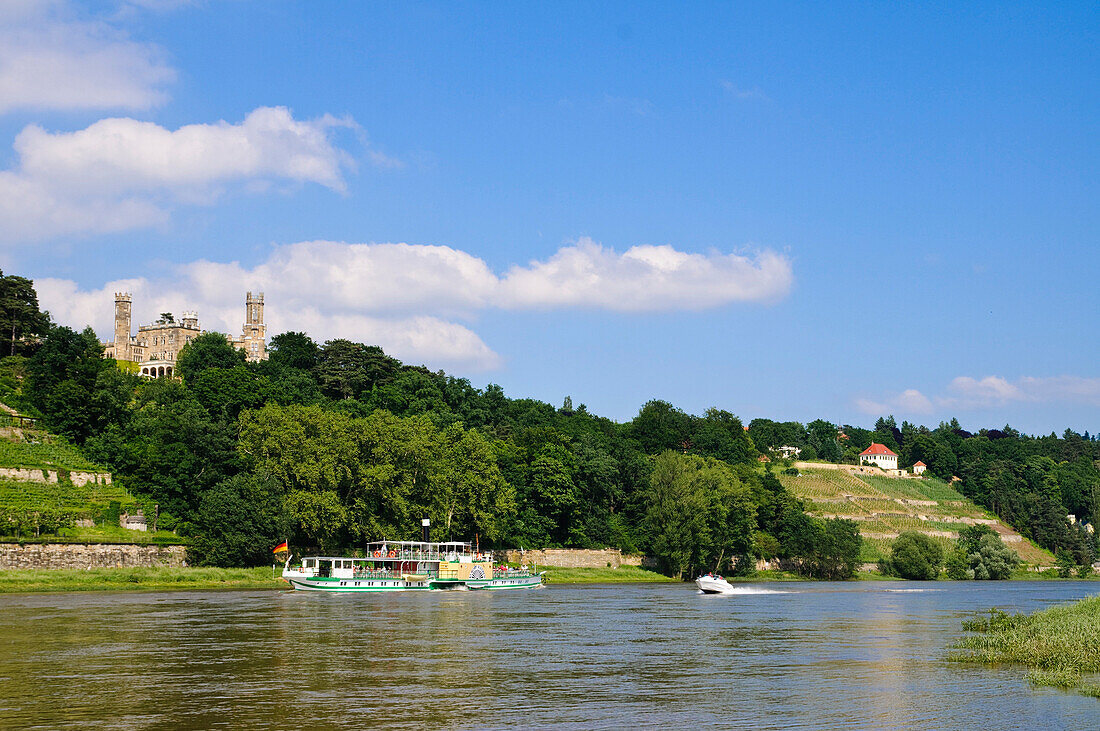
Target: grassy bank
[
  {"x": 142, "y": 579},
  {"x": 621, "y": 575},
  {"x": 1060, "y": 646}
]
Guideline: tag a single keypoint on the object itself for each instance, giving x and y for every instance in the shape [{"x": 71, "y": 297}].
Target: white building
[
  {"x": 919, "y": 468},
  {"x": 879, "y": 454}
]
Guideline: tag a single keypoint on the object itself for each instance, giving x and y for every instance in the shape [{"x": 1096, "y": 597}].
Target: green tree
[
  {"x": 720, "y": 434},
  {"x": 660, "y": 426},
  {"x": 21, "y": 322},
  {"x": 61, "y": 379},
  {"x": 238, "y": 521},
  {"x": 209, "y": 350},
  {"x": 1066, "y": 563},
  {"x": 169, "y": 450},
  {"x": 915, "y": 555},
  {"x": 293, "y": 350},
  {"x": 675, "y": 518},
  {"x": 348, "y": 370},
  {"x": 833, "y": 552},
  {"x": 991, "y": 559}
]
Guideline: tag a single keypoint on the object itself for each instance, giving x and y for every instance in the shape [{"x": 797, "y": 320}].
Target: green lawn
[
  {"x": 147, "y": 579},
  {"x": 621, "y": 575}
]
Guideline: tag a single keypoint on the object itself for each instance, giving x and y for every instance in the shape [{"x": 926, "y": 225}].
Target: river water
[{"x": 779, "y": 656}]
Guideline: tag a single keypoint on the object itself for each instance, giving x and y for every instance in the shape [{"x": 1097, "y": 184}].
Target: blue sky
[{"x": 794, "y": 211}]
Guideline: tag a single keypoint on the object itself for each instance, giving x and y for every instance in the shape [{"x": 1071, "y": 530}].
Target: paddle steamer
[{"x": 408, "y": 566}]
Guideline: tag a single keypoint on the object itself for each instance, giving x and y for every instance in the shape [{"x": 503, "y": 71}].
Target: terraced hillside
[
  {"x": 885, "y": 506},
  {"x": 44, "y": 480}
]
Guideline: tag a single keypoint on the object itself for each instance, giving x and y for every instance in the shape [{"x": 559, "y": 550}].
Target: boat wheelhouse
[{"x": 408, "y": 566}]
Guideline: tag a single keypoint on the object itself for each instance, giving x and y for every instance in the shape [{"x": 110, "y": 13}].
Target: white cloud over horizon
[
  {"x": 965, "y": 393},
  {"x": 53, "y": 59},
  {"x": 122, "y": 174},
  {"x": 406, "y": 297}
]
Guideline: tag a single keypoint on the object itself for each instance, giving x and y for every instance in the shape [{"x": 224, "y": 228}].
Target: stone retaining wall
[
  {"x": 571, "y": 558},
  {"x": 88, "y": 556},
  {"x": 78, "y": 479}
]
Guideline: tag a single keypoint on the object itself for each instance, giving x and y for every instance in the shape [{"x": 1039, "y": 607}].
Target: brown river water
[{"x": 859, "y": 655}]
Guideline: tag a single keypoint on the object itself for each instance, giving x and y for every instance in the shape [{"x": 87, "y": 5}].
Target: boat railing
[
  {"x": 391, "y": 574},
  {"x": 424, "y": 556}
]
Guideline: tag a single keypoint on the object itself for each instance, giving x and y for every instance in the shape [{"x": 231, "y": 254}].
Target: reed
[{"x": 1060, "y": 646}]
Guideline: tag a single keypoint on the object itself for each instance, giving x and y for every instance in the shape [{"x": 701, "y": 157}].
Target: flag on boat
[{"x": 281, "y": 548}]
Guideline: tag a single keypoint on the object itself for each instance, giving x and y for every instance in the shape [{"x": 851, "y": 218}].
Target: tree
[
  {"x": 238, "y": 522},
  {"x": 293, "y": 350},
  {"x": 915, "y": 555},
  {"x": 676, "y": 515},
  {"x": 21, "y": 322},
  {"x": 169, "y": 449},
  {"x": 348, "y": 370},
  {"x": 225, "y": 392},
  {"x": 660, "y": 426},
  {"x": 209, "y": 350},
  {"x": 720, "y": 434},
  {"x": 61, "y": 378},
  {"x": 990, "y": 557},
  {"x": 699, "y": 514},
  {"x": 834, "y": 551}
]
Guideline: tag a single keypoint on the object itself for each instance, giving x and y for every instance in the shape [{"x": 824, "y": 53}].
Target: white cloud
[
  {"x": 52, "y": 60},
  {"x": 965, "y": 393},
  {"x": 969, "y": 393},
  {"x": 743, "y": 94},
  {"x": 645, "y": 279},
  {"x": 909, "y": 401},
  {"x": 122, "y": 174},
  {"x": 405, "y": 297}
]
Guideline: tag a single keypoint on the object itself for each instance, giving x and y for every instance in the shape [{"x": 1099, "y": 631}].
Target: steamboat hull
[{"x": 366, "y": 586}]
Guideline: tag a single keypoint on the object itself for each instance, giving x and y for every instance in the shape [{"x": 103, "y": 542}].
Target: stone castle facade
[{"x": 156, "y": 347}]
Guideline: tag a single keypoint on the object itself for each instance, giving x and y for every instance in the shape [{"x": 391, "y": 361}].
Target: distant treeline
[{"x": 336, "y": 444}]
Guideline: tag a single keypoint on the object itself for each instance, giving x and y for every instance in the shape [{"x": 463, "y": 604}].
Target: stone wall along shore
[
  {"x": 571, "y": 558},
  {"x": 89, "y": 556}
]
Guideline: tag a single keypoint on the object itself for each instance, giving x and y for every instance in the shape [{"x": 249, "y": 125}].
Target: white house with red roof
[
  {"x": 919, "y": 468},
  {"x": 880, "y": 455}
]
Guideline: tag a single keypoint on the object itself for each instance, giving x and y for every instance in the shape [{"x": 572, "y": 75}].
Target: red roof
[
  {"x": 918, "y": 463},
  {"x": 876, "y": 448}
]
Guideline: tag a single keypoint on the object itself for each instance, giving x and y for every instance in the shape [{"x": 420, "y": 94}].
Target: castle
[{"x": 156, "y": 347}]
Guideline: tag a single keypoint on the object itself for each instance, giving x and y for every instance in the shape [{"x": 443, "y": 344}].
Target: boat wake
[{"x": 743, "y": 590}]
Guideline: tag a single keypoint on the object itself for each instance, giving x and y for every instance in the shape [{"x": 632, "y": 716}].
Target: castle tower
[
  {"x": 190, "y": 320},
  {"x": 255, "y": 331},
  {"x": 122, "y": 325}
]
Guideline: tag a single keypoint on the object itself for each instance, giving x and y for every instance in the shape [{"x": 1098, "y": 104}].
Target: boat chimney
[{"x": 425, "y": 527}]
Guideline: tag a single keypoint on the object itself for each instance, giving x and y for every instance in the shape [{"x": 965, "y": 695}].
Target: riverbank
[
  {"x": 1060, "y": 646},
  {"x": 622, "y": 575},
  {"x": 136, "y": 579}
]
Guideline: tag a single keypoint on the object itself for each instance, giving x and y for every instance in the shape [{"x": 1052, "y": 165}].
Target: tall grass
[
  {"x": 1060, "y": 646},
  {"x": 621, "y": 575},
  {"x": 154, "y": 578}
]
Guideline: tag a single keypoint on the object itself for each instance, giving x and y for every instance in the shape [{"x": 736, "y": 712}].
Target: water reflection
[{"x": 813, "y": 656}]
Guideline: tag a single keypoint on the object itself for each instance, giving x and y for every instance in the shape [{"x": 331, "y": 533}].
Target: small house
[
  {"x": 879, "y": 454},
  {"x": 919, "y": 468}
]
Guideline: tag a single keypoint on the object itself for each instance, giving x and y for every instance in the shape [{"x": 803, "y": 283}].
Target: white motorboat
[{"x": 713, "y": 584}]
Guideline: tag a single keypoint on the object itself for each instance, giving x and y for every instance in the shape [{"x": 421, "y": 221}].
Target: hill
[
  {"x": 885, "y": 506},
  {"x": 47, "y": 486}
]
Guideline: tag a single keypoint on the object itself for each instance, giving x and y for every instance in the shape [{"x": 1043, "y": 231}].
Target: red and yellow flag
[{"x": 281, "y": 548}]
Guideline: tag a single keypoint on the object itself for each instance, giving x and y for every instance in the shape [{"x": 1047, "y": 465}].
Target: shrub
[{"x": 916, "y": 556}]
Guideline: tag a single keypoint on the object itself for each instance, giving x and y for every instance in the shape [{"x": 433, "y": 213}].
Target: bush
[
  {"x": 992, "y": 560},
  {"x": 915, "y": 556},
  {"x": 956, "y": 567}
]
